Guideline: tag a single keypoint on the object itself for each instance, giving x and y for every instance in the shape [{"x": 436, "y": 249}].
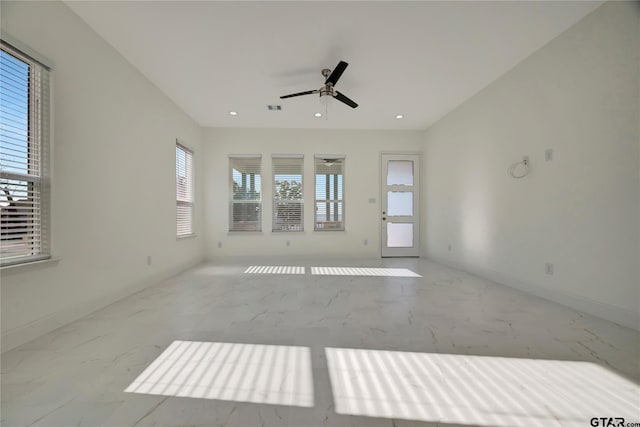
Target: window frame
[
  {"x": 342, "y": 158},
  {"x": 38, "y": 127},
  {"x": 180, "y": 145},
  {"x": 274, "y": 158},
  {"x": 233, "y": 202}
]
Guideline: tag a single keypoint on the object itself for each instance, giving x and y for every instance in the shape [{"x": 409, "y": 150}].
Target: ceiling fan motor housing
[{"x": 326, "y": 90}]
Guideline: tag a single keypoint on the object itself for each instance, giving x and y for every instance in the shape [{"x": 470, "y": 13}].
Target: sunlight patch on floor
[
  {"x": 272, "y": 374},
  {"x": 477, "y": 390},
  {"x": 363, "y": 271},
  {"x": 274, "y": 269}
]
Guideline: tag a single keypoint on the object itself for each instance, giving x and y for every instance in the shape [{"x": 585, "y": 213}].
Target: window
[
  {"x": 184, "y": 191},
  {"x": 24, "y": 159},
  {"x": 287, "y": 193},
  {"x": 246, "y": 193},
  {"x": 329, "y": 193}
]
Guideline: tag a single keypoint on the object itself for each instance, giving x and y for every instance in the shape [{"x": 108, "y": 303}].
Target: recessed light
[
  {"x": 318, "y": 114},
  {"x": 233, "y": 113},
  {"x": 399, "y": 116}
]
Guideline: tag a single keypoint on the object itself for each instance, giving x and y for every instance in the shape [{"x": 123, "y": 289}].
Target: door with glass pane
[{"x": 400, "y": 219}]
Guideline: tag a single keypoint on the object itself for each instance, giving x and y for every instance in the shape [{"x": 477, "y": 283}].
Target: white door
[{"x": 400, "y": 196}]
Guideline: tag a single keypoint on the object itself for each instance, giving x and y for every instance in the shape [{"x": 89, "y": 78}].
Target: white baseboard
[
  {"x": 15, "y": 337},
  {"x": 297, "y": 257},
  {"x": 606, "y": 311}
]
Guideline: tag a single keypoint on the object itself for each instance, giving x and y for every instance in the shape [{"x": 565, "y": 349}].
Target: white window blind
[
  {"x": 246, "y": 193},
  {"x": 184, "y": 190},
  {"x": 24, "y": 158},
  {"x": 287, "y": 193},
  {"x": 329, "y": 209}
]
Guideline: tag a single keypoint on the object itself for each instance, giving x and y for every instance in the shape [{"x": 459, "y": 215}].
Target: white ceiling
[{"x": 420, "y": 59}]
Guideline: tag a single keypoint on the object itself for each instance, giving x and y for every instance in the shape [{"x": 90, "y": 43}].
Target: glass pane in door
[
  {"x": 399, "y": 203},
  {"x": 399, "y": 235},
  {"x": 400, "y": 172}
]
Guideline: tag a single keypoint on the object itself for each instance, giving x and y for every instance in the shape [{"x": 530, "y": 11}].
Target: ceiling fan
[
  {"x": 327, "y": 90},
  {"x": 331, "y": 162}
]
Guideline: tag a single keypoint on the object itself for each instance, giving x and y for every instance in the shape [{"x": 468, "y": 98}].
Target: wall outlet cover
[{"x": 548, "y": 268}]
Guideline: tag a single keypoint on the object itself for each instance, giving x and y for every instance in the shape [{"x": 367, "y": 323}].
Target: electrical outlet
[
  {"x": 548, "y": 154},
  {"x": 288, "y": 242},
  {"x": 548, "y": 268},
  {"x": 219, "y": 245},
  {"x": 148, "y": 259},
  {"x": 525, "y": 160},
  {"x": 366, "y": 242}
]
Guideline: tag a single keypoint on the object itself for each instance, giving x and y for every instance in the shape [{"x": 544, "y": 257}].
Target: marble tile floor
[{"x": 77, "y": 375}]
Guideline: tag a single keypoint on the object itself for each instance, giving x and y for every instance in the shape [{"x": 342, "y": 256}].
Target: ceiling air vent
[{"x": 274, "y": 107}]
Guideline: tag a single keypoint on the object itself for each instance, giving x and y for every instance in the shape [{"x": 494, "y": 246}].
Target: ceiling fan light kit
[{"x": 327, "y": 91}]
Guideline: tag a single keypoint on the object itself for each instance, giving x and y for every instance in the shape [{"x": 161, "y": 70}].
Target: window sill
[
  {"x": 30, "y": 265},
  {"x": 241, "y": 233},
  {"x": 186, "y": 236}
]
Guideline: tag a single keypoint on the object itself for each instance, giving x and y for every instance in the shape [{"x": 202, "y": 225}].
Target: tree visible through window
[
  {"x": 287, "y": 194},
  {"x": 246, "y": 194}
]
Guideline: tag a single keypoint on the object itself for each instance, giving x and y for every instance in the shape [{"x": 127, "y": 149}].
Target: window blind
[
  {"x": 329, "y": 208},
  {"x": 184, "y": 190},
  {"x": 287, "y": 193},
  {"x": 246, "y": 194},
  {"x": 24, "y": 158}
]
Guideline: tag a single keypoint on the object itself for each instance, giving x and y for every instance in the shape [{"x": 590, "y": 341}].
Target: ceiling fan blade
[
  {"x": 336, "y": 73},
  {"x": 309, "y": 92},
  {"x": 340, "y": 97}
]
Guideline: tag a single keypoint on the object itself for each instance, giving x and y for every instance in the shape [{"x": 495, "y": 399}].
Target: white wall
[
  {"x": 362, "y": 150},
  {"x": 113, "y": 200},
  {"x": 579, "y": 96}
]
